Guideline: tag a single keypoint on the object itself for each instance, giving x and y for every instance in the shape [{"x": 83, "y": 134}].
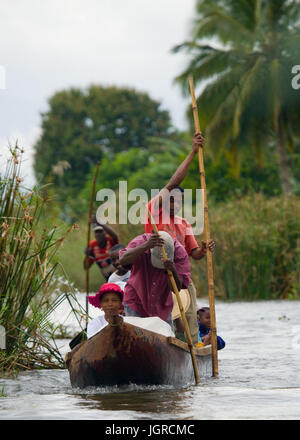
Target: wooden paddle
[
  {"x": 183, "y": 317},
  {"x": 210, "y": 275},
  {"x": 88, "y": 242}
]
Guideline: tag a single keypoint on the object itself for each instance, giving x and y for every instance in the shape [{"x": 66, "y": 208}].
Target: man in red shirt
[
  {"x": 98, "y": 249},
  {"x": 148, "y": 290},
  {"x": 164, "y": 208}
]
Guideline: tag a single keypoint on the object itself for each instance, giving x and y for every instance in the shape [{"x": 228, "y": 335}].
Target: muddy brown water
[{"x": 259, "y": 377}]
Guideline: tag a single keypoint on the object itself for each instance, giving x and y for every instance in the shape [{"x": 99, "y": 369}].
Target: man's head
[
  {"x": 203, "y": 316},
  {"x": 114, "y": 255},
  {"x": 100, "y": 235},
  {"x": 176, "y": 200}
]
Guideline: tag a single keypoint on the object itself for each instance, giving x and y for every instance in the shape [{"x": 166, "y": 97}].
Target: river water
[{"x": 259, "y": 377}]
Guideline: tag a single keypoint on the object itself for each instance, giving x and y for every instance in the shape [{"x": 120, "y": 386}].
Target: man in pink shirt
[
  {"x": 148, "y": 290},
  {"x": 164, "y": 208}
]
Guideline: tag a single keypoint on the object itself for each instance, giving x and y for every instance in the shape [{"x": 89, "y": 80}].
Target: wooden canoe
[{"x": 122, "y": 353}]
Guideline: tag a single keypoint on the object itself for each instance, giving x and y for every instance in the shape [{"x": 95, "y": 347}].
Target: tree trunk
[{"x": 284, "y": 169}]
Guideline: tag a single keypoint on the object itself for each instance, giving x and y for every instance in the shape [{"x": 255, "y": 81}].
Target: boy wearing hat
[
  {"x": 98, "y": 249},
  {"x": 109, "y": 299},
  {"x": 148, "y": 290},
  {"x": 121, "y": 274}
]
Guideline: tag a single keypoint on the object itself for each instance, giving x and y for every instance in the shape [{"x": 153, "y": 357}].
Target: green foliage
[
  {"x": 71, "y": 254},
  {"x": 223, "y": 185},
  {"x": 152, "y": 170},
  {"x": 27, "y": 269},
  {"x": 121, "y": 167},
  {"x": 255, "y": 228},
  {"x": 245, "y": 69},
  {"x": 81, "y": 125},
  {"x": 257, "y": 249},
  {"x": 140, "y": 168}
]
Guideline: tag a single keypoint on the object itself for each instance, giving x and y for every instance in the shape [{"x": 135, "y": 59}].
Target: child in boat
[
  {"x": 203, "y": 316},
  {"x": 109, "y": 299},
  {"x": 122, "y": 274}
]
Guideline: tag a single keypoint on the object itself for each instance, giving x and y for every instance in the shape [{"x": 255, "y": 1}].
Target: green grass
[
  {"x": 256, "y": 255},
  {"x": 257, "y": 248},
  {"x": 28, "y": 274},
  {"x": 71, "y": 254}
]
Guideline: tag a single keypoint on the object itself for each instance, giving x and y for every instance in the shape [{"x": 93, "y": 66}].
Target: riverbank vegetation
[
  {"x": 257, "y": 253},
  {"x": 28, "y": 270}
]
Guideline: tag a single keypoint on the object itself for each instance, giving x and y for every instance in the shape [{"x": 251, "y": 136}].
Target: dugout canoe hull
[{"x": 124, "y": 354}]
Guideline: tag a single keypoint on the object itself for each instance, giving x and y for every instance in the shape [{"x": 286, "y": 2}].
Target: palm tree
[{"x": 243, "y": 52}]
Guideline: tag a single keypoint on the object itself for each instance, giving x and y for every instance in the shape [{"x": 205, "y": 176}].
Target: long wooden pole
[
  {"x": 183, "y": 317},
  {"x": 88, "y": 242},
  {"x": 210, "y": 275}
]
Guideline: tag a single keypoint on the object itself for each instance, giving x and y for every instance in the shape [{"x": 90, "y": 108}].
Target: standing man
[
  {"x": 148, "y": 290},
  {"x": 98, "y": 249},
  {"x": 164, "y": 208}
]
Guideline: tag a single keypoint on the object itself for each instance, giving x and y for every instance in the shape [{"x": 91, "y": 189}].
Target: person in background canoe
[
  {"x": 98, "y": 249},
  {"x": 109, "y": 300},
  {"x": 122, "y": 274},
  {"x": 164, "y": 209},
  {"x": 148, "y": 290},
  {"x": 203, "y": 316}
]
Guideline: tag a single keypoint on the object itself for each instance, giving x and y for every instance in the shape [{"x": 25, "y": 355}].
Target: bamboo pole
[
  {"x": 175, "y": 289},
  {"x": 210, "y": 276},
  {"x": 88, "y": 242}
]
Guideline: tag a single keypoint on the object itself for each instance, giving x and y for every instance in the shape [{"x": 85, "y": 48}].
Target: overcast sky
[{"x": 48, "y": 45}]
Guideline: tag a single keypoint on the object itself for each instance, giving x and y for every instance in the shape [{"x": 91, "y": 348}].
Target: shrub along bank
[{"x": 256, "y": 255}]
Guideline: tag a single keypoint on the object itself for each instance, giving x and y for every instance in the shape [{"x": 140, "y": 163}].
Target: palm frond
[
  {"x": 244, "y": 72},
  {"x": 233, "y": 157},
  {"x": 226, "y": 29},
  {"x": 213, "y": 99},
  {"x": 248, "y": 84}
]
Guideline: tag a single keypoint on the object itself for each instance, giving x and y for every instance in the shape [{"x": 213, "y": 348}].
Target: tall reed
[{"x": 27, "y": 268}]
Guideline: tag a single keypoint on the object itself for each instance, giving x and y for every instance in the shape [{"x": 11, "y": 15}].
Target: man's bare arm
[
  {"x": 199, "y": 253},
  {"x": 108, "y": 229},
  {"x": 133, "y": 254},
  {"x": 181, "y": 172}
]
